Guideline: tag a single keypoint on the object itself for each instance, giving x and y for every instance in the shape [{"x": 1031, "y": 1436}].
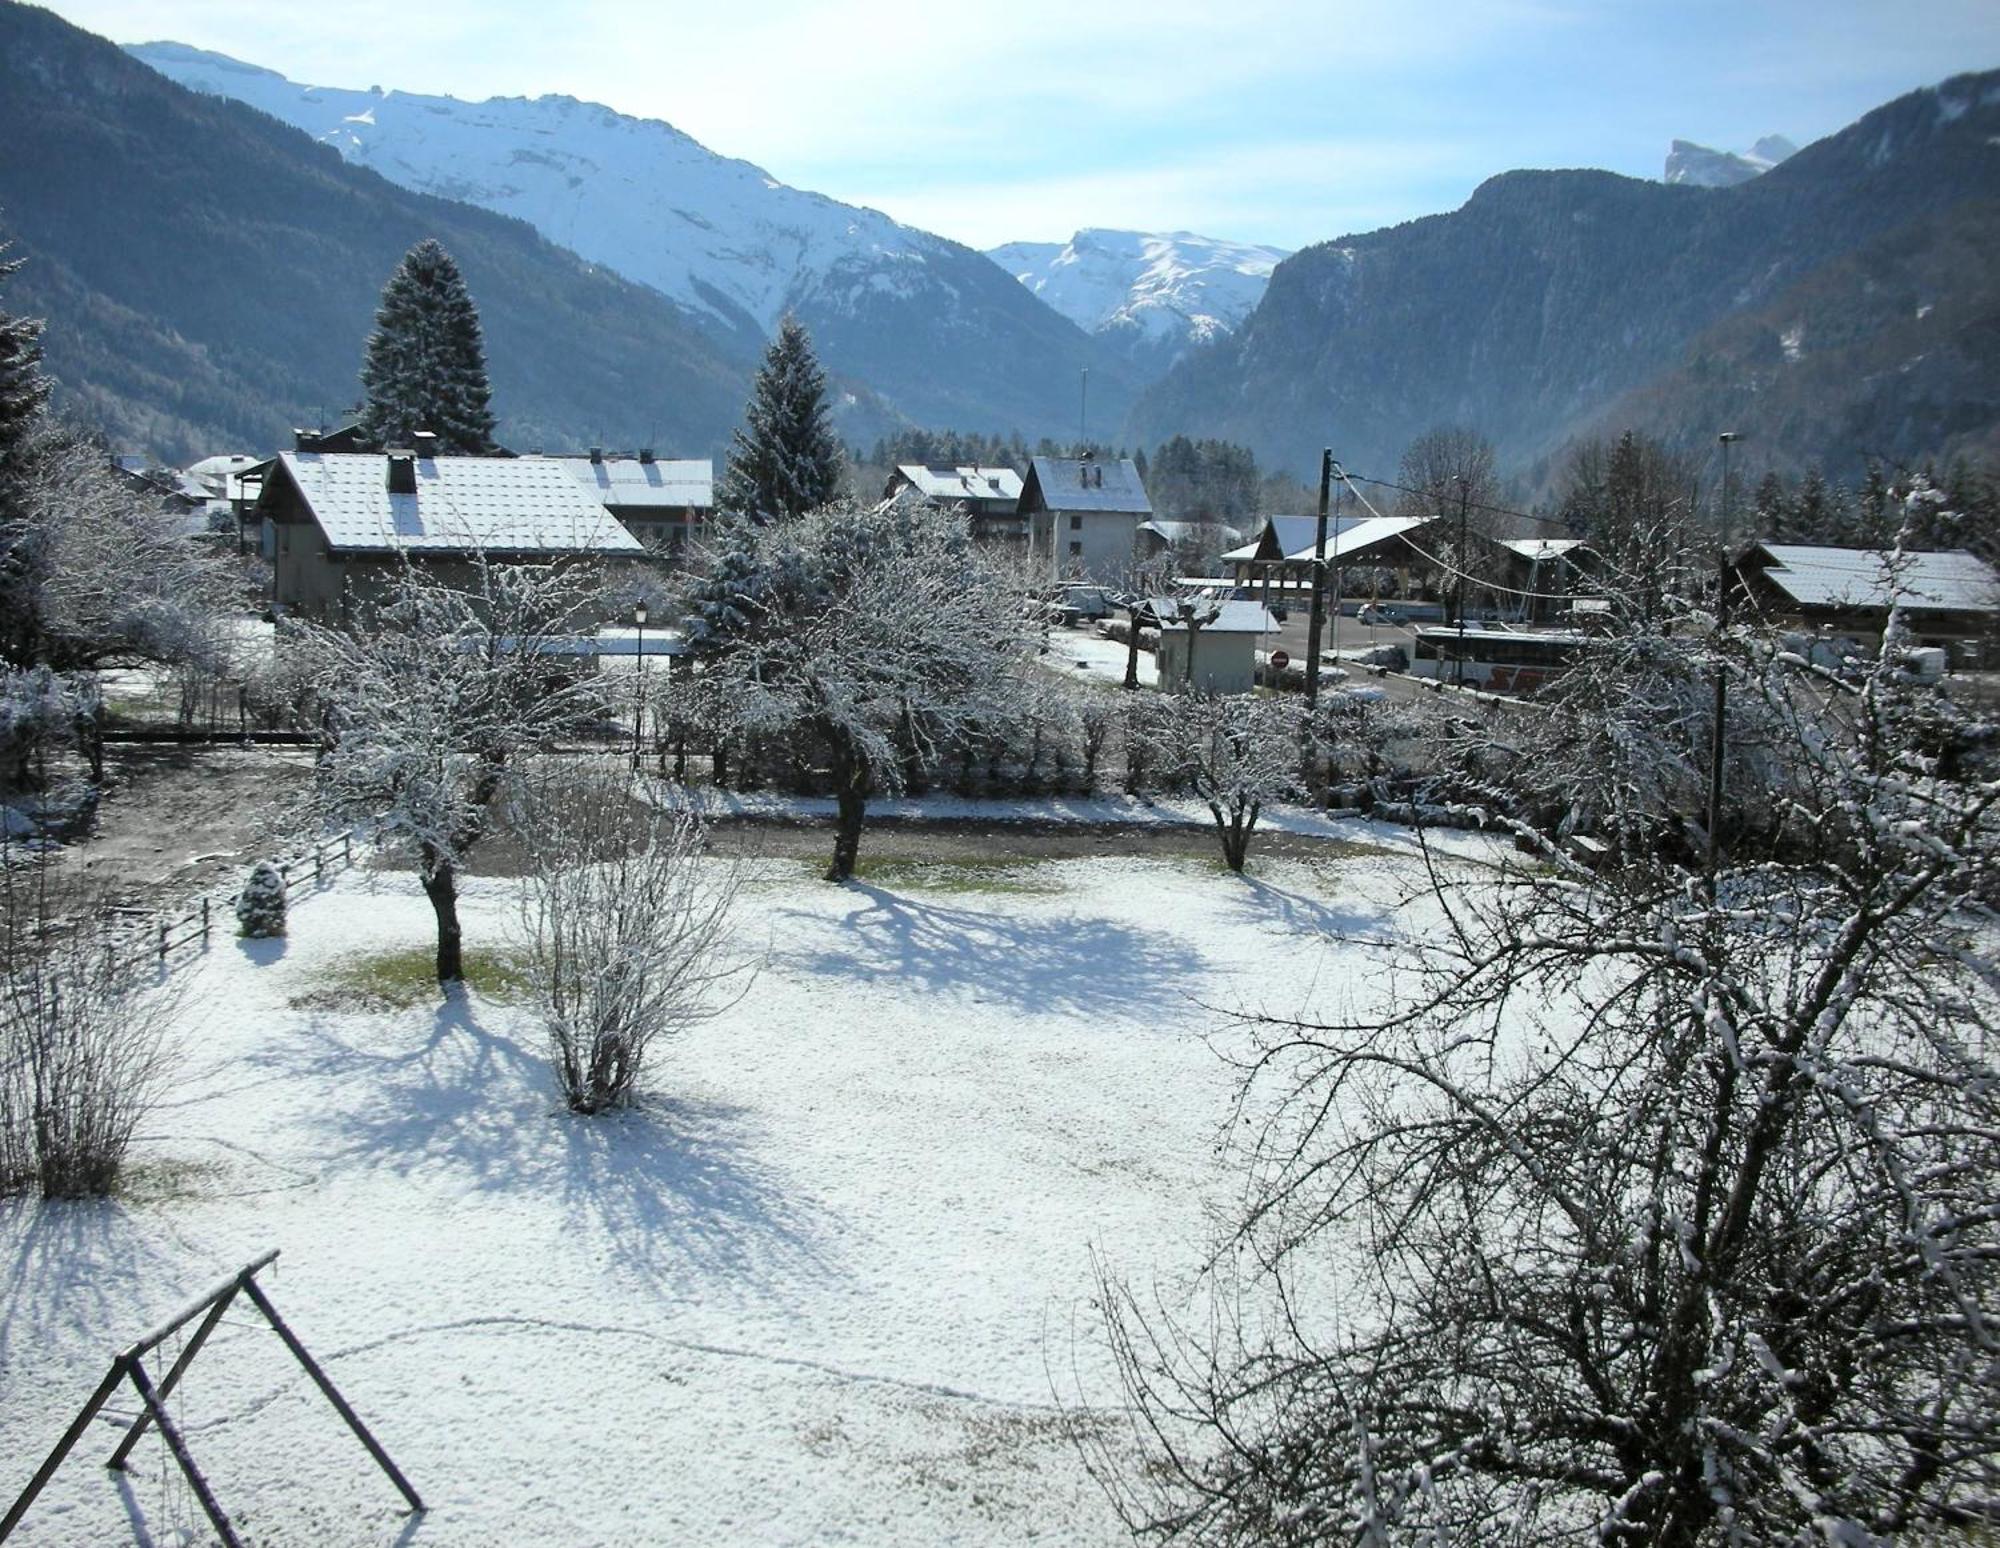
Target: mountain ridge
[
  {"x": 927, "y": 323},
  {"x": 208, "y": 276},
  {"x": 1550, "y": 298}
]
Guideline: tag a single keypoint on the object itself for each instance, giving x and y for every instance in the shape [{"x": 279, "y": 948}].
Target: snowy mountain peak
[
  {"x": 1705, "y": 167},
  {"x": 1165, "y": 290},
  {"x": 718, "y": 235}
]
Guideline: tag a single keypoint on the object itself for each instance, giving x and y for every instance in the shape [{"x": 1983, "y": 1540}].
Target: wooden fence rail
[{"x": 164, "y": 935}]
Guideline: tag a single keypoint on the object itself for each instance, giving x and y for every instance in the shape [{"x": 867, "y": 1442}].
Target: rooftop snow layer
[
  {"x": 1113, "y": 486},
  {"x": 509, "y": 505},
  {"x": 627, "y": 482},
  {"x": 967, "y": 483},
  {"x": 1954, "y": 581}
]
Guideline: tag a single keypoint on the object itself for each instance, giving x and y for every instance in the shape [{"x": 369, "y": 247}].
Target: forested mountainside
[
  {"x": 1840, "y": 305},
  {"x": 209, "y": 275}
]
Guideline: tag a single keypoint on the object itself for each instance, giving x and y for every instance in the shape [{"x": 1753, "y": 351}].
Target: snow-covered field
[{"x": 821, "y": 1289}]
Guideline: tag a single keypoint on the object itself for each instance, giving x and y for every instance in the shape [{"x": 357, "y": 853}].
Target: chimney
[
  {"x": 645, "y": 454},
  {"x": 596, "y": 454},
  {"x": 427, "y": 443},
  {"x": 305, "y": 440},
  {"x": 402, "y": 472}
]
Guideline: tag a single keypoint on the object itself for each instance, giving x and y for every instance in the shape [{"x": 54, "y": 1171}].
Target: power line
[
  {"x": 1432, "y": 559},
  {"x": 1431, "y": 494}
]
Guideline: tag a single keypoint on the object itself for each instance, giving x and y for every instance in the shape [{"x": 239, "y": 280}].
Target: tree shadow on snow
[
  {"x": 663, "y": 1188},
  {"x": 83, "y": 1273},
  {"x": 672, "y": 1185},
  {"x": 1065, "y": 965},
  {"x": 1297, "y": 914}
]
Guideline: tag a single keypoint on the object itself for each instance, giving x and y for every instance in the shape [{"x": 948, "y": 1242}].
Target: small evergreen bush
[{"x": 260, "y": 906}]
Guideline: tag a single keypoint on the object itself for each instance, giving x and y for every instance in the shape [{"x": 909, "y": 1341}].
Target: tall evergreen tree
[
  {"x": 785, "y": 460},
  {"x": 426, "y": 366},
  {"x": 23, "y": 388}
]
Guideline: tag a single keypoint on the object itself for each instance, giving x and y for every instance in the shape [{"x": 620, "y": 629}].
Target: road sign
[{"x": 1279, "y": 661}]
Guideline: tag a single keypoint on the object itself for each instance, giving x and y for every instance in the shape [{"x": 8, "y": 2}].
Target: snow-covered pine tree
[
  {"x": 426, "y": 367},
  {"x": 23, "y": 388},
  {"x": 785, "y": 460},
  {"x": 260, "y": 906}
]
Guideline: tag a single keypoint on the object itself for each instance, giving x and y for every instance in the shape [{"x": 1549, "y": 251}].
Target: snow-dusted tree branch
[
  {"x": 433, "y": 697},
  {"x": 871, "y": 640},
  {"x": 1650, "y": 1207},
  {"x": 1239, "y": 752},
  {"x": 625, "y": 924},
  {"x": 87, "y": 576}
]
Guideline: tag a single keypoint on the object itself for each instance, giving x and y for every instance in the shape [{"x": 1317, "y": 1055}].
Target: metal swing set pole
[{"x": 128, "y": 1365}]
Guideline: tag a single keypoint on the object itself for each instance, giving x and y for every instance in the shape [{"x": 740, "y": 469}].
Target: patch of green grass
[
  {"x": 163, "y": 1181},
  {"x": 961, "y": 874},
  {"x": 398, "y": 980}
]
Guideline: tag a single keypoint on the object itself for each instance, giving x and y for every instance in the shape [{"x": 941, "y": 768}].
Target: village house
[
  {"x": 662, "y": 503},
  {"x": 1366, "y": 556},
  {"x": 991, "y": 496},
  {"x": 1220, "y": 638},
  {"x": 1082, "y": 515},
  {"x": 1189, "y": 538},
  {"x": 340, "y": 521},
  {"x": 1542, "y": 579},
  {"x": 1949, "y": 600}
]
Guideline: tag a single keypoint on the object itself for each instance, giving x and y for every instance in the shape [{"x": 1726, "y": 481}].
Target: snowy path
[{"x": 813, "y": 1293}]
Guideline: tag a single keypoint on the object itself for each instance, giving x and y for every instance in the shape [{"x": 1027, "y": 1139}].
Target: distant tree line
[{"x": 1964, "y": 512}]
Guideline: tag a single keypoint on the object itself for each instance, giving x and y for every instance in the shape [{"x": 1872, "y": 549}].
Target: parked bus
[{"x": 1497, "y": 660}]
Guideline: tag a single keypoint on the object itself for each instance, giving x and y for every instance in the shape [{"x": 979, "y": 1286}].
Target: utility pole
[
  {"x": 1317, "y": 615},
  {"x": 1464, "y": 506},
  {"x": 1334, "y": 648},
  {"x": 1728, "y": 438}
]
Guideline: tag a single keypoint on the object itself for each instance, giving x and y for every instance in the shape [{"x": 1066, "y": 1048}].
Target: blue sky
[{"x": 1263, "y": 120}]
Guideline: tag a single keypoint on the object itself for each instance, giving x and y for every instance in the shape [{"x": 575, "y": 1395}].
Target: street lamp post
[{"x": 639, "y": 713}]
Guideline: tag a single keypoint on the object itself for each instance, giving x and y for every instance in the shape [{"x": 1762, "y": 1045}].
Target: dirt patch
[{"x": 175, "y": 822}]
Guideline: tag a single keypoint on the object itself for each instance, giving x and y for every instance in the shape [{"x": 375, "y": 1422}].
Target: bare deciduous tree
[
  {"x": 625, "y": 925},
  {"x": 1657, "y": 1206},
  {"x": 434, "y": 695},
  {"x": 873, "y": 639},
  {"x": 84, "y": 1040},
  {"x": 88, "y": 576},
  {"x": 1239, "y": 752}
]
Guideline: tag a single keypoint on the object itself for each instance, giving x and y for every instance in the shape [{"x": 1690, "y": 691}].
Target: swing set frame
[{"x": 128, "y": 1365}]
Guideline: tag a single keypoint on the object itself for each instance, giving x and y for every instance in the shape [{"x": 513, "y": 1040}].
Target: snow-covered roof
[
  {"x": 1179, "y": 531},
  {"x": 221, "y": 466},
  {"x": 510, "y": 505},
  {"x": 1286, "y": 537},
  {"x": 1533, "y": 549},
  {"x": 1230, "y": 617},
  {"x": 966, "y": 483},
  {"x": 1091, "y": 484},
  {"x": 630, "y": 482},
  {"x": 1954, "y": 581},
  {"x": 1358, "y": 536}
]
